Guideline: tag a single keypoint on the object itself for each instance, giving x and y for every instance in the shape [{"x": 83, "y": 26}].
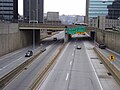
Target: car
[
  {"x": 54, "y": 39},
  {"x": 43, "y": 49},
  {"x": 102, "y": 46},
  {"x": 78, "y": 47},
  {"x": 29, "y": 53}
]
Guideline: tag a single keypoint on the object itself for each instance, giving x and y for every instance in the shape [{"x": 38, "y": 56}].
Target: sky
[{"x": 67, "y": 7}]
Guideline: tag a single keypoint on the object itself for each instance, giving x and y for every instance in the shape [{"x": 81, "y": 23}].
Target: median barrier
[{"x": 46, "y": 69}]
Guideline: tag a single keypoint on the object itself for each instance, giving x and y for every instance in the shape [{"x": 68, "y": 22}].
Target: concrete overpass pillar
[
  {"x": 33, "y": 39},
  {"x": 67, "y": 37}
]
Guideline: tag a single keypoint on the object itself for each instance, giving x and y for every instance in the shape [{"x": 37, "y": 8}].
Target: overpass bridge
[
  {"x": 39, "y": 26},
  {"x": 36, "y": 27}
]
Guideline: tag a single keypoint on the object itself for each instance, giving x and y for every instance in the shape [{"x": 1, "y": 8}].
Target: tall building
[
  {"x": 114, "y": 10},
  {"x": 95, "y": 8},
  {"x": 33, "y": 10},
  {"x": 9, "y": 10},
  {"x": 87, "y": 8}
]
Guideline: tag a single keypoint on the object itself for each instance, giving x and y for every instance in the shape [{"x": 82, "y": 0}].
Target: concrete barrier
[
  {"x": 10, "y": 75},
  {"x": 113, "y": 70},
  {"x": 46, "y": 69}
]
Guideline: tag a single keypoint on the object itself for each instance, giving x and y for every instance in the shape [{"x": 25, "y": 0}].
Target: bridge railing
[{"x": 40, "y": 25}]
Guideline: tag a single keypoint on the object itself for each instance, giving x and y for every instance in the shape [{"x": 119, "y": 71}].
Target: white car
[{"x": 78, "y": 47}]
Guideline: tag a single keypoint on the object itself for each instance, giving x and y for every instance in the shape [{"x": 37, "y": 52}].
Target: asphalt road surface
[
  {"x": 27, "y": 76},
  {"x": 73, "y": 71},
  {"x": 76, "y": 70},
  {"x": 14, "y": 58}
]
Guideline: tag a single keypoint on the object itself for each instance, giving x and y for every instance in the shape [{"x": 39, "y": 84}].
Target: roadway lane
[
  {"x": 11, "y": 59},
  {"x": 73, "y": 71},
  {"x": 24, "y": 79}
]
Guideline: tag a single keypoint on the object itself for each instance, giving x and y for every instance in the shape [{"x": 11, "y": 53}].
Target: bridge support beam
[{"x": 33, "y": 39}]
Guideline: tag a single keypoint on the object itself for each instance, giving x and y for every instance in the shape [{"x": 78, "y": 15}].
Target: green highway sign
[{"x": 75, "y": 30}]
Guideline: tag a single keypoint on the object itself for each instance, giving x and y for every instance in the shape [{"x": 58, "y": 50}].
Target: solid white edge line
[
  {"x": 67, "y": 76},
  {"x": 72, "y": 54},
  {"x": 94, "y": 69}
]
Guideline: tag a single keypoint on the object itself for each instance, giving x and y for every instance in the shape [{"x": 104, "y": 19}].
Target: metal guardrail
[{"x": 114, "y": 71}]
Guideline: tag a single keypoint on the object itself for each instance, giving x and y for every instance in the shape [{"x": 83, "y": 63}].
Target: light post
[
  {"x": 33, "y": 18},
  {"x": 33, "y": 30}
]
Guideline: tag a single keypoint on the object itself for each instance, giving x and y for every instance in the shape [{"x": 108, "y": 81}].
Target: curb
[{"x": 114, "y": 71}]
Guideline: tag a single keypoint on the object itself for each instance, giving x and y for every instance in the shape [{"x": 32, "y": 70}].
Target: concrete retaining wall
[
  {"x": 110, "y": 38},
  {"x": 12, "y": 39}
]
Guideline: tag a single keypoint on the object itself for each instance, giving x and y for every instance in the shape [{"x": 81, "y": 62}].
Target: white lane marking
[
  {"x": 46, "y": 80},
  {"x": 71, "y": 63},
  {"x": 10, "y": 63},
  {"x": 94, "y": 69},
  {"x": 73, "y": 54},
  {"x": 67, "y": 76}
]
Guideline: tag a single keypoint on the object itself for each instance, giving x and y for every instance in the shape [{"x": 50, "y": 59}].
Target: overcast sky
[{"x": 67, "y": 7}]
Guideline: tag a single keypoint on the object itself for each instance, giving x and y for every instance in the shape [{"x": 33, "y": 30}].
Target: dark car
[
  {"x": 102, "y": 46},
  {"x": 28, "y": 54},
  {"x": 78, "y": 47},
  {"x": 43, "y": 49},
  {"x": 54, "y": 39}
]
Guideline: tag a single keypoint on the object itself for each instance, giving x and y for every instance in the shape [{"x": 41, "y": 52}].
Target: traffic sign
[
  {"x": 75, "y": 30},
  {"x": 111, "y": 57}
]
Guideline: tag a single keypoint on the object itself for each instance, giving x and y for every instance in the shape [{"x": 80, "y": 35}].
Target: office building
[
  {"x": 9, "y": 10},
  {"x": 114, "y": 10},
  {"x": 87, "y": 7},
  {"x": 103, "y": 23},
  {"x": 95, "y": 8},
  {"x": 52, "y": 18},
  {"x": 33, "y": 10}
]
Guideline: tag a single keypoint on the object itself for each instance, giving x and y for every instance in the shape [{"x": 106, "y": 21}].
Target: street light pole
[{"x": 33, "y": 31}]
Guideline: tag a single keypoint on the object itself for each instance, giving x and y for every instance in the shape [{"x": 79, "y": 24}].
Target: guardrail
[
  {"x": 114, "y": 71},
  {"x": 46, "y": 69},
  {"x": 9, "y": 76}
]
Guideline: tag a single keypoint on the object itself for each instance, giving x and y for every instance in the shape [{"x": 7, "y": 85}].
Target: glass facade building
[
  {"x": 98, "y": 8},
  {"x": 114, "y": 10},
  {"x": 8, "y": 10}
]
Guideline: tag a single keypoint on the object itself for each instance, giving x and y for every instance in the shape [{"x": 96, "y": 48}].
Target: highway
[
  {"x": 18, "y": 55},
  {"x": 77, "y": 70},
  {"x": 27, "y": 76},
  {"x": 12, "y": 58}
]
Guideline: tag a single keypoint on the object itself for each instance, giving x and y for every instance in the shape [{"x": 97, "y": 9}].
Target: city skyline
[{"x": 76, "y": 7}]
